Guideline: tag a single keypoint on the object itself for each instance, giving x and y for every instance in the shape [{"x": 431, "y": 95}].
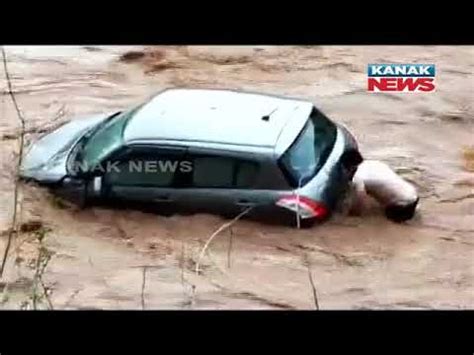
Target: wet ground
[{"x": 125, "y": 259}]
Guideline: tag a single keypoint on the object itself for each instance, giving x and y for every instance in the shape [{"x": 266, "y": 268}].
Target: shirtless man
[{"x": 397, "y": 196}]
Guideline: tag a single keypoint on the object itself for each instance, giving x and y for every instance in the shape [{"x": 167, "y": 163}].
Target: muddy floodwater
[{"x": 105, "y": 258}]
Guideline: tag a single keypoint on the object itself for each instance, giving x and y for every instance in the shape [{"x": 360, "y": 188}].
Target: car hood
[{"x": 45, "y": 160}]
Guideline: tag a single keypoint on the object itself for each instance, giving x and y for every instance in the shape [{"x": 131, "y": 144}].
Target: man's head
[
  {"x": 401, "y": 213},
  {"x": 350, "y": 160}
]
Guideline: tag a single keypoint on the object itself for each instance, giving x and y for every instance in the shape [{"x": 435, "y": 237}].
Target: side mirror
[
  {"x": 94, "y": 186},
  {"x": 73, "y": 190}
]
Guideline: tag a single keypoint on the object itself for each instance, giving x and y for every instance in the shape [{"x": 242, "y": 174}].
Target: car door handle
[
  {"x": 245, "y": 203},
  {"x": 162, "y": 198}
]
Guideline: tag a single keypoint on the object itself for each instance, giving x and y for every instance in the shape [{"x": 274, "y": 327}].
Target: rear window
[
  {"x": 223, "y": 172},
  {"x": 308, "y": 153}
]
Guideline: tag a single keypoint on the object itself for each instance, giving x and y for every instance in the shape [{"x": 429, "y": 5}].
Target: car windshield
[
  {"x": 104, "y": 140},
  {"x": 309, "y": 152}
]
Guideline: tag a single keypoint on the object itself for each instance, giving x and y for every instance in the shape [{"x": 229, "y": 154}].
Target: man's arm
[{"x": 358, "y": 197}]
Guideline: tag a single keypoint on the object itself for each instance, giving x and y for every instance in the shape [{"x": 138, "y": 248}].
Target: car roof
[{"x": 221, "y": 118}]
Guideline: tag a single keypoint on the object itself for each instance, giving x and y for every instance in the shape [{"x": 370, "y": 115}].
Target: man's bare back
[{"x": 377, "y": 180}]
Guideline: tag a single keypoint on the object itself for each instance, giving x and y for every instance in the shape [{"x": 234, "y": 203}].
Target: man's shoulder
[
  {"x": 374, "y": 164},
  {"x": 374, "y": 168}
]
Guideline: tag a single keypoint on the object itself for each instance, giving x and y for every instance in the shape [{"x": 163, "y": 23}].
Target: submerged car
[{"x": 203, "y": 147}]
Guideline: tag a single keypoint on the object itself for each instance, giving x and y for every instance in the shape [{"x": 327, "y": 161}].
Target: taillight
[{"x": 303, "y": 206}]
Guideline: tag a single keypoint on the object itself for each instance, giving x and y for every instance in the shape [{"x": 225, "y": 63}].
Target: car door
[
  {"x": 144, "y": 174},
  {"x": 218, "y": 182}
]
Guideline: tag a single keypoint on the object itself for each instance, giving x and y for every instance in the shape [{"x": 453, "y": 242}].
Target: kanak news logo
[{"x": 401, "y": 77}]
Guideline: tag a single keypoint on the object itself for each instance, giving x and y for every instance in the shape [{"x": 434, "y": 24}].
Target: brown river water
[{"x": 103, "y": 258}]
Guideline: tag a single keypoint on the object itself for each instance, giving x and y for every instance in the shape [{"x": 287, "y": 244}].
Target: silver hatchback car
[{"x": 196, "y": 148}]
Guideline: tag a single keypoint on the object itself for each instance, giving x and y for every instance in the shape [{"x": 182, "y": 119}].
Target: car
[{"x": 192, "y": 148}]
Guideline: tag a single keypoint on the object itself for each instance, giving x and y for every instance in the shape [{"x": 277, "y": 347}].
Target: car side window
[
  {"x": 223, "y": 172},
  {"x": 143, "y": 171}
]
